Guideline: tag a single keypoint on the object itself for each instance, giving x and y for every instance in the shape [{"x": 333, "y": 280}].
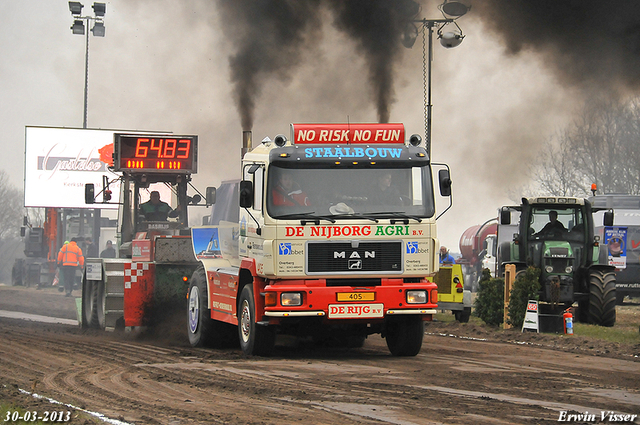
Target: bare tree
[
  {"x": 11, "y": 209},
  {"x": 600, "y": 147}
]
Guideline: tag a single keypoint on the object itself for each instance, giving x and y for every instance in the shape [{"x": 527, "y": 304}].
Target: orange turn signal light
[{"x": 270, "y": 299}]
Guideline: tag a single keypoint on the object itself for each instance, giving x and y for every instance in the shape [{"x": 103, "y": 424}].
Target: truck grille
[{"x": 363, "y": 257}]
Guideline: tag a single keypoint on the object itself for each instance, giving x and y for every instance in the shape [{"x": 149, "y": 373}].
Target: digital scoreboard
[{"x": 155, "y": 153}]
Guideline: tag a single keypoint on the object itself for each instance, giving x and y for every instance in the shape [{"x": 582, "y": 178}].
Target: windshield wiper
[
  {"x": 305, "y": 217},
  {"x": 355, "y": 215},
  {"x": 400, "y": 215}
]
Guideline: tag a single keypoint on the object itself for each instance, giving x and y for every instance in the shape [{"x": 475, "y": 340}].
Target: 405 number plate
[{"x": 356, "y": 296}]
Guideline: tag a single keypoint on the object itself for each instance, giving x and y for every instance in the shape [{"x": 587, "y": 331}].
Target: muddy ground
[{"x": 465, "y": 374}]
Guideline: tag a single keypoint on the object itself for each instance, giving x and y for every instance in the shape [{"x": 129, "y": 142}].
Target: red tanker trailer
[{"x": 478, "y": 249}]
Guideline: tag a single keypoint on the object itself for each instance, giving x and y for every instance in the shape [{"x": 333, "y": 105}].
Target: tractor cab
[
  {"x": 155, "y": 177},
  {"x": 554, "y": 240}
]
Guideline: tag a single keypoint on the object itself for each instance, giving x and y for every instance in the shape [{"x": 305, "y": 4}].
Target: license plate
[
  {"x": 355, "y": 311},
  {"x": 356, "y": 296}
]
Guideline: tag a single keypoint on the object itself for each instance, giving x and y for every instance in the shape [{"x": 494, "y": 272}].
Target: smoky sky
[
  {"x": 591, "y": 44},
  {"x": 270, "y": 36}
]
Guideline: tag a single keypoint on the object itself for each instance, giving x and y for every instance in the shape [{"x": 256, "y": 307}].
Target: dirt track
[{"x": 508, "y": 377}]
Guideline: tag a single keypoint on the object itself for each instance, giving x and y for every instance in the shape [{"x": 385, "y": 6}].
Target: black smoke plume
[
  {"x": 269, "y": 36},
  {"x": 591, "y": 44}
]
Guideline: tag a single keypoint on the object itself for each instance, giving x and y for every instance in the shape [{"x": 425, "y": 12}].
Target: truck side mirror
[
  {"x": 505, "y": 216},
  {"x": 211, "y": 195},
  {"x": 89, "y": 193},
  {"x": 445, "y": 182},
  {"x": 607, "y": 220},
  {"x": 23, "y": 231},
  {"x": 246, "y": 193}
]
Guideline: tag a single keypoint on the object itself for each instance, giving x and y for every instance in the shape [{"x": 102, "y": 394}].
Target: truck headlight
[
  {"x": 568, "y": 269},
  {"x": 291, "y": 298},
  {"x": 549, "y": 269},
  {"x": 416, "y": 297}
]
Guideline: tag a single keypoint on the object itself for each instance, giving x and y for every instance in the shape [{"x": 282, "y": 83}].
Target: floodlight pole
[
  {"x": 429, "y": 24},
  {"x": 86, "y": 74},
  {"x": 87, "y": 20}
]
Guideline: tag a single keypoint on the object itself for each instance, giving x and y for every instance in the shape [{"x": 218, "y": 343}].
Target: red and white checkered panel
[{"x": 132, "y": 271}]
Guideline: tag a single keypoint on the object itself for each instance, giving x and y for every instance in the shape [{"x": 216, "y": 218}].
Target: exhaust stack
[{"x": 246, "y": 142}]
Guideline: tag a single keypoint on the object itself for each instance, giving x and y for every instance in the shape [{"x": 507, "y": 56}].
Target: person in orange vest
[{"x": 70, "y": 258}]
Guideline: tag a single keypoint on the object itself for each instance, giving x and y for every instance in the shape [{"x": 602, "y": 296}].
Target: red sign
[{"x": 347, "y": 133}]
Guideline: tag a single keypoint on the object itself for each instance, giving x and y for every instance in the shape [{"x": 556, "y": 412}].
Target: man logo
[
  {"x": 412, "y": 247},
  {"x": 355, "y": 264},
  {"x": 354, "y": 254},
  {"x": 284, "y": 248}
]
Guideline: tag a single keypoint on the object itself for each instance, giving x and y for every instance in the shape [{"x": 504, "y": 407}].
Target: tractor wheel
[
  {"x": 602, "y": 298},
  {"x": 101, "y": 302},
  {"x": 255, "y": 339},
  {"x": 90, "y": 304},
  {"x": 463, "y": 316},
  {"x": 204, "y": 331},
  {"x": 404, "y": 336}
]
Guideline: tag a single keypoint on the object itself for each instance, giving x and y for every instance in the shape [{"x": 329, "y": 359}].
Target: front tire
[
  {"x": 254, "y": 339},
  {"x": 602, "y": 298},
  {"x": 204, "y": 331},
  {"x": 404, "y": 336}
]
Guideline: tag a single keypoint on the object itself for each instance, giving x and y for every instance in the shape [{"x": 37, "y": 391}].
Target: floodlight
[
  {"x": 454, "y": 8},
  {"x": 99, "y": 9},
  {"x": 409, "y": 35},
  {"x": 78, "y": 27},
  {"x": 98, "y": 29},
  {"x": 75, "y": 7},
  {"x": 451, "y": 39}
]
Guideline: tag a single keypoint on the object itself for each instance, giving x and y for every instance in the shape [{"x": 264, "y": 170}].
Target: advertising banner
[
  {"x": 60, "y": 161},
  {"x": 615, "y": 239}
]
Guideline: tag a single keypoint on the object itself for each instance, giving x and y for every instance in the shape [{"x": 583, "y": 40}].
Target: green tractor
[{"x": 556, "y": 235}]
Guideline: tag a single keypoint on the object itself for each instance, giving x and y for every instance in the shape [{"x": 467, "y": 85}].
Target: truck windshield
[{"x": 350, "y": 192}]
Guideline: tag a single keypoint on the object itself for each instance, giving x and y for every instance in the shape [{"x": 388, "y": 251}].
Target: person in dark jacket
[
  {"x": 91, "y": 249},
  {"x": 109, "y": 251},
  {"x": 157, "y": 210}
]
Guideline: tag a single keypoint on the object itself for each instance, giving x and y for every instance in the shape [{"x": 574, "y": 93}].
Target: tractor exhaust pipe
[{"x": 246, "y": 142}]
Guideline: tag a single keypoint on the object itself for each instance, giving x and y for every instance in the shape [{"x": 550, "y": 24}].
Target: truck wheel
[
  {"x": 602, "y": 298},
  {"x": 463, "y": 315},
  {"x": 199, "y": 321},
  {"x": 204, "y": 331},
  {"x": 404, "y": 336},
  {"x": 254, "y": 339}
]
